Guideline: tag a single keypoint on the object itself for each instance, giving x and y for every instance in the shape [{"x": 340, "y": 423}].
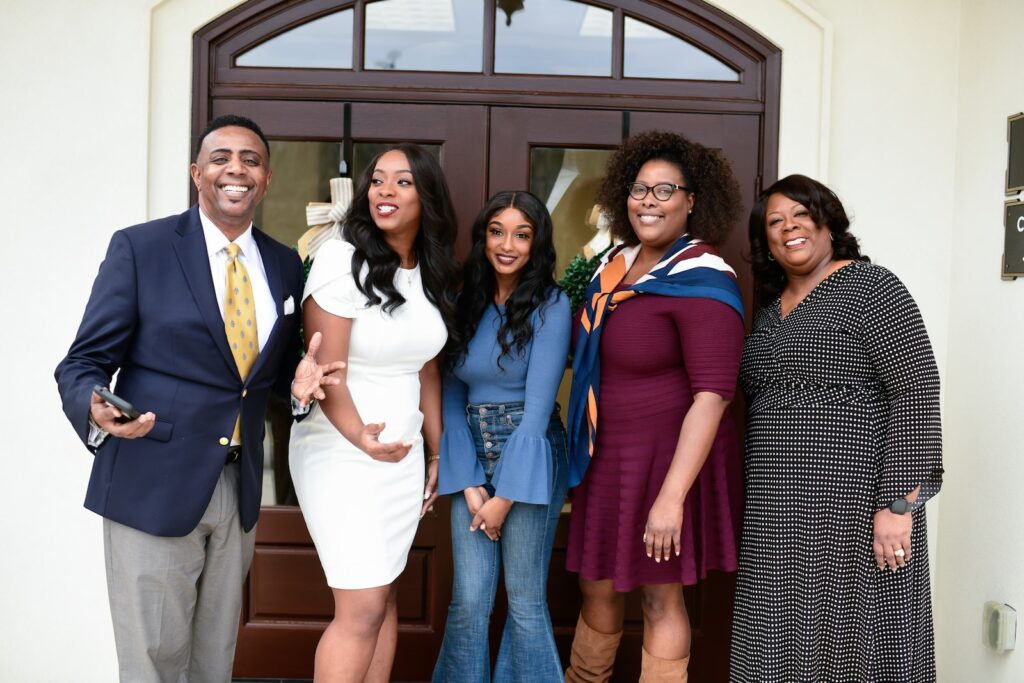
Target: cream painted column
[
  {"x": 982, "y": 551},
  {"x": 805, "y": 37},
  {"x": 170, "y": 104}
]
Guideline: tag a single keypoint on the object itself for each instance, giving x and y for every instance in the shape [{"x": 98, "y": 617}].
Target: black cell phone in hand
[{"x": 128, "y": 411}]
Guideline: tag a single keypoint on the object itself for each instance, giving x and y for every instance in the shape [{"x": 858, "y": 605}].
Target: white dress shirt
[{"x": 249, "y": 255}]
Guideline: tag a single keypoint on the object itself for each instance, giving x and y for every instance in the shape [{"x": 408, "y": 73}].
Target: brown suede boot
[
  {"x": 656, "y": 670},
  {"x": 593, "y": 654}
]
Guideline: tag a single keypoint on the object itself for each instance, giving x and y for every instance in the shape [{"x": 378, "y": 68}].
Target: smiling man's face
[{"x": 232, "y": 174}]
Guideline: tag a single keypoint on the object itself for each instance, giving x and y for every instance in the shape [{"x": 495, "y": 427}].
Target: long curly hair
[
  {"x": 707, "y": 173},
  {"x": 533, "y": 290},
  {"x": 826, "y": 211},
  {"x": 433, "y": 246}
]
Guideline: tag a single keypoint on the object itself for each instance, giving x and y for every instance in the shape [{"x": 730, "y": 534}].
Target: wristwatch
[{"x": 901, "y": 506}]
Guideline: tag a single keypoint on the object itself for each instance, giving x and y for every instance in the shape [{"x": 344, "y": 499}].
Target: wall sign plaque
[
  {"x": 1015, "y": 155},
  {"x": 1013, "y": 247}
]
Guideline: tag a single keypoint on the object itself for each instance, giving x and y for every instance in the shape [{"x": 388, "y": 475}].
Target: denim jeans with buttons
[{"x": 527, "y": 652}]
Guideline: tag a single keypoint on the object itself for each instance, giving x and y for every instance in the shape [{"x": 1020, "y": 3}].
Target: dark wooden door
[
  {"x": 546, "y": 126},
  {"x": 558, "y": 154}
]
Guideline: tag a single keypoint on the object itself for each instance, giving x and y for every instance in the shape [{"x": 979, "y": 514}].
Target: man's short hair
[{"x": 231, "y": 120}]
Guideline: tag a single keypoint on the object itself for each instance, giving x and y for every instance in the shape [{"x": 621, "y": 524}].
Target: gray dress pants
[{"x": 175, "y": 601}]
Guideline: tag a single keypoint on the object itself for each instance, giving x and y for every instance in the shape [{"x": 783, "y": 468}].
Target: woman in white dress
[{"x": 383, "y": 298}]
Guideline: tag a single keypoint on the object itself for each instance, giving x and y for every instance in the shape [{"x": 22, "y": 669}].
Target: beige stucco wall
[
  {"x": 900, "y": 106},
  {"x": 981, "y": 551},
  {"x": 74, "y": 105}
]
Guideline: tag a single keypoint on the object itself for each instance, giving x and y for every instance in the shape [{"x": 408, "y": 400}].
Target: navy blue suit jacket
[{"x": 153, "y": 314}]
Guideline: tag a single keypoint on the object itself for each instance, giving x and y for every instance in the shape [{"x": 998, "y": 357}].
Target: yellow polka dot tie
[{"x": 240, "y": 321}]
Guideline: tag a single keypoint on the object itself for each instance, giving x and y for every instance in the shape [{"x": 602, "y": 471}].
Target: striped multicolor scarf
[{"x": 686, "y": 271}]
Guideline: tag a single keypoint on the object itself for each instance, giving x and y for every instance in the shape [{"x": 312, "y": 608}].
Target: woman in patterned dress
[
  {"x": 652, "y": 444},
  {"x": 843, "y": 449}
]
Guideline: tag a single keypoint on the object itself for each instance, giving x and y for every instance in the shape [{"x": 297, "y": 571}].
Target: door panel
[
  {"x": 525, "y": 132},
  {"x": 515, "y": 130},
  {"x": 287, "y": 603},
  {"x": 287, "y": 120},
  {"x": 738, "y": 137}
]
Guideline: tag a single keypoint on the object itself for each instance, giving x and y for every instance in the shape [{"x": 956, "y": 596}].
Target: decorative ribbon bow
[{"x": 325, "y": 218}]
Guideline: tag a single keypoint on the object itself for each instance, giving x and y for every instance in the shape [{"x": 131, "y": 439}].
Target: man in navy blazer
[{"x": 179, "y": 495}]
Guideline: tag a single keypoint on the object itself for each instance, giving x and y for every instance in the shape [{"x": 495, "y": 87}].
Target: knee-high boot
[
  {"x": 657, "y": 670},
  {"x": 593, "y": 654}
]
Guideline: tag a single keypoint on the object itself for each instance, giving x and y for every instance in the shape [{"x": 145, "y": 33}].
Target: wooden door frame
[{"x": 219, "y": 86}]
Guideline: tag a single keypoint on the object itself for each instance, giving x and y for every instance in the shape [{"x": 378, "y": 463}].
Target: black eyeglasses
[{"x": 662, "y": 191}]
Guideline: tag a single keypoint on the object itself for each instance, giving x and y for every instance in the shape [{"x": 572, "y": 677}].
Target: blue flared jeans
[{"x": 527, "y": 652}]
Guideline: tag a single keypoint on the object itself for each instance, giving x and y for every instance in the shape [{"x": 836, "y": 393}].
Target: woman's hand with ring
[{"x": 892, "y": 539}]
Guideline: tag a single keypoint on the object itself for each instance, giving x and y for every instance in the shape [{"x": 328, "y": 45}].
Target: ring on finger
[{"x": 900, "y": 553}]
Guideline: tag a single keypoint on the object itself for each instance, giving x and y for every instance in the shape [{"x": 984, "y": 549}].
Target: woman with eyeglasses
[{"x": 654, "y": 454}]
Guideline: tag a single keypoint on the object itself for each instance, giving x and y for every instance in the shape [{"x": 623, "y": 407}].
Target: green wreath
[{"x": 578, "y": 275}]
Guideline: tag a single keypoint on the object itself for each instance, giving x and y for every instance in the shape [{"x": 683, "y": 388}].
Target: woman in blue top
[{"x": 503, "y": 450}]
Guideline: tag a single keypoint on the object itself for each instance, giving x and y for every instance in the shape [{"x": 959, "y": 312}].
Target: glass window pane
[
  {"x": 650, "y": 52},
  {"x": 553, "y": 37},
  {"x": 424, "y": 35},
  {"x": 324, "y": 43},
  {"x": 568, "y": 180},
  {"x": 301, "y": 173},
  {"x": 302, "y": 170}
]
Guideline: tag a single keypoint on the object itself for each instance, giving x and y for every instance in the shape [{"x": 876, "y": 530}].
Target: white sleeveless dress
[{"x": 363, "y": 513}]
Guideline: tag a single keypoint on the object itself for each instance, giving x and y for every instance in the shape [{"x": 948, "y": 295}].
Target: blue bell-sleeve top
[{"x": 525, "y": 472}]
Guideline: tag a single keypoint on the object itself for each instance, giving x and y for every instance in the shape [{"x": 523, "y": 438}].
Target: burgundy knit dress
[{"x": 656, "y": 353}]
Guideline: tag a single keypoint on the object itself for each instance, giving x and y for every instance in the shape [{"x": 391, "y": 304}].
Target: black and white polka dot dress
[{"x": 843, "y": 397}]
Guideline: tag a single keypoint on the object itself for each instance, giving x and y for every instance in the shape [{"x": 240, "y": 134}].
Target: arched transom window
[{"x": 553, "y": 37}]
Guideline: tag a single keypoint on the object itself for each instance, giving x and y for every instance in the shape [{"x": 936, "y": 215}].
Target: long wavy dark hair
[
  {"x": 826, "y": 211},
  {"x": 708, "y": 174},
  {"x": 533, "y": 291},
  {"x": 433, "y": 245}
]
